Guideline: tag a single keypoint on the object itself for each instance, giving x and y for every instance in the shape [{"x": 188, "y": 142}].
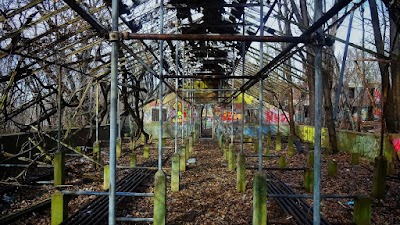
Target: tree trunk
[
  {"x": 327, "y": 86},
  {"x": 381, "y": 51},
  {"x": 393, "y": 100}
]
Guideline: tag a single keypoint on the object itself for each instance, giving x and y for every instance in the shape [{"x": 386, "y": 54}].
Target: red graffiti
[{"x": 396, "y": 144}]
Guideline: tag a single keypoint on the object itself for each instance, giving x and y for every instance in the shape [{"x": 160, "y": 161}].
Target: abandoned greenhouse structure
[{"x": 200, "y": 112}]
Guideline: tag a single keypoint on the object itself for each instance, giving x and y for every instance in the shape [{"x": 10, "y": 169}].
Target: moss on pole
[
  {"x": 175, "y": 173},
  {"x": 59, "y": 208},
  {"x": 379, "y": 177},
  {"x": 259, "y": 199},
  {"x": 362, "y": 211},
  {"x": 241, "y": 173},
  {"x": 160, "y": 190},
  {"x": 231, "y": 157},
  {"x": 59, "y": 168},
  {"x": 182, "y": 159}
]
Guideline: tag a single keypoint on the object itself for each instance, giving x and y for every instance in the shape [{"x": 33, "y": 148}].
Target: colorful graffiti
[
  {"x": 272, "y": 116},
  {"x": 396, "y": 144},
  {"x": 366, "y": 146}
]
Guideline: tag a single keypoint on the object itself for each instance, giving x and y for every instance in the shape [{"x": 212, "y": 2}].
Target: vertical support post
[
  {"x": 379, "y": 177},
  {"x": 260, "y": 180},
  {"x": 132, "y": 160},
  {"x": 176, "y": 89},
  {"x": 59, "y": 167},
  {"x": 308, "y": 182},
  {"x": 339, "y": 88},
  {"x": 160, "y": 190},
  {"x": 260, "y": 109},
  {"x": 362, "y": 211},
  {"x": 241, "y": 173},
  {"x": 278, "y": 141},
  {"x": 332, "y": 168},
  {"x": 97, "y": 111},
  {"x": 260, "y": 199},
  {"x": 191, "y": 143},
  {"x": 231, "y": 157},
  {"x": 243, "y": 73},
  {"x": 59, "y": 208},
  {"x": 160, "y": 91},
  {"x": 182, "y": 159},
  {"x": 269, "y": 137},
  {"x": 106, "y": 177},
  {"x": 290, "y": 145},
  {"x": 119, "y": 147},
  {"x": 96, "y": 153},
  {"x": 59, "y": 157},
  {"x": 113, "y": 115},
  {"x": 175, "y": 173},
  {"x": 119, "y": 127},
  {"x": 318, "y": 118},
  {"x": 146, "y": 150},
  {"x": 282, "y": 161}
]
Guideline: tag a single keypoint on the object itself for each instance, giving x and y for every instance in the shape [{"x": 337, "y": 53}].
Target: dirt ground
[{"x": 208, "y": 190}]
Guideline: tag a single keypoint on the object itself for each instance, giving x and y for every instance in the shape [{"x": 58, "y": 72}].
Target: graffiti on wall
[
  {"x": 366, "y": 146},
  {"x": 396, "y": 144},
  {"x": 308, "y": 133},
  {"x": 272, "y": 116}
]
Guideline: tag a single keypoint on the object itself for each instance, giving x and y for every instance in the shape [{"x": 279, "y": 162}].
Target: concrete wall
[{"x": 367, "y": 144}]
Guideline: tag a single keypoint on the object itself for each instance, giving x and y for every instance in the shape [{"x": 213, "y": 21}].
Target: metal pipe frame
[
  {"x": 339, "y": 89},
  {"x": 126, "y": 194},
  {"x": 214, "y": 37},
  {"x": 318, "y": 93},
  {"x": 263, "y": 73},
  {"x": 113, "y": 115},
  {"x": 161, "y": 44},
  {"x": 208, "y": 77},
  {"x": 260, "y": 101},
  {"x": 128, "y": 219},
  {"x": 328, "y": 196}
]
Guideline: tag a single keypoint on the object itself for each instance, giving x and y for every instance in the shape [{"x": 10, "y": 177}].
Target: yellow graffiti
[{"x": 248, "y": 99}]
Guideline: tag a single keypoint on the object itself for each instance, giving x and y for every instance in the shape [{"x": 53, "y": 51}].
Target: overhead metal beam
[
  {"x": 199, "y": 5},
  {"x": 208, "y": 76},
  {"x": 103, "y": 31},
  {"x": 264, "y": 72},
  {"x": 214, "y": 37}
]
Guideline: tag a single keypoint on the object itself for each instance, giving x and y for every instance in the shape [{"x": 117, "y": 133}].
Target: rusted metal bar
[{"x": 214, "y": 37}]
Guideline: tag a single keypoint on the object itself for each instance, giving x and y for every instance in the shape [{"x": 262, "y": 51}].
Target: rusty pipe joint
[{"x": 113, "y": 36}]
